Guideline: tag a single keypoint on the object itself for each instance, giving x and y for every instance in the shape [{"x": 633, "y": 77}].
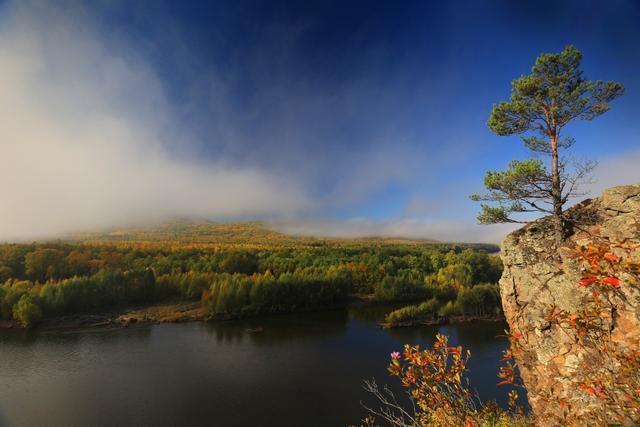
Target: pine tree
[{"x": 541, "y": 105}]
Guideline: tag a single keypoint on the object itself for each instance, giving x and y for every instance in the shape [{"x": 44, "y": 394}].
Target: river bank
[
  {"x": 166, "y": 312},
  {"x": 171, "y": 312},
  {"x": 192, "y": 311}
]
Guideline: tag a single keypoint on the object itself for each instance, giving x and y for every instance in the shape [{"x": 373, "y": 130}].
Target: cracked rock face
[{"x": 538, "y": 275}]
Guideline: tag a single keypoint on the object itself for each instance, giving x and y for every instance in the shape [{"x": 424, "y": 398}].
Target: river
[{"x": 300, "y": 370}]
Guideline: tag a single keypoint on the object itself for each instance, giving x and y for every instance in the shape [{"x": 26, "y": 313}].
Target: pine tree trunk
[{"x": 556, "y": 192}]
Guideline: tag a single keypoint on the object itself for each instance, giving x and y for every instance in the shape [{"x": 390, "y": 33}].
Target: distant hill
[
  {"x": 186, "y": 231},
  {"x": 216, "y": 234},
  {"x": 206, "y": 232}
]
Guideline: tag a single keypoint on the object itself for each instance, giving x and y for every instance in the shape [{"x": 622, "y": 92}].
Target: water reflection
[
  {"x": 275, "y": 330},
  {"x": 479, "y": 335},
  {"x": 373, "y": 313},
  {"x": 291, "y": 370}
]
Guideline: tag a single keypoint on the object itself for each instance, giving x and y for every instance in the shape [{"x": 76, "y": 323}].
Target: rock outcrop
[{"x": 539, "y": 275}]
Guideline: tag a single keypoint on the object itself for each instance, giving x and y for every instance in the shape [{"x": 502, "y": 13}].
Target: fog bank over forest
[
  {"x": 91, "y": 139},
  {"x": 80, "y": 153},
  {"x": 444, "y": 231}
]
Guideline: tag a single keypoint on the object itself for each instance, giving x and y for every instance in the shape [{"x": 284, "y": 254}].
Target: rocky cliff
[{"x": 544, "y": 294}]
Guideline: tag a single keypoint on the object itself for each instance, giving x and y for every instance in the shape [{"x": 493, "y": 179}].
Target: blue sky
[{"x": 330, "y": 117}]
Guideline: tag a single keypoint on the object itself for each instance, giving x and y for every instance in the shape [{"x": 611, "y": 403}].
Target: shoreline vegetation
[
  {"x": 478, "y": 302},
  {"x": 192, "y": 311},
  {"x": 92, "y": 282}
]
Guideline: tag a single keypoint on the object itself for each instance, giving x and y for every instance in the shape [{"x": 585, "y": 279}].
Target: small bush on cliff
[
  {"x": 438, "y": 392},
  {"x": 609, "y": 371},
  {"x": 606, "y": 375}
]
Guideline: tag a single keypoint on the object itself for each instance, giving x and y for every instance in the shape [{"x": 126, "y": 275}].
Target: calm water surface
[{"x": 302, "y": 369}]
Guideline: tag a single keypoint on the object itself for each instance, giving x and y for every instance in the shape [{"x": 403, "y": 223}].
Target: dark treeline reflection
[
  {"x": 269, "y": 371},
  {"x": 66, "y": 338},
  {"x": 276, "y": 329}
]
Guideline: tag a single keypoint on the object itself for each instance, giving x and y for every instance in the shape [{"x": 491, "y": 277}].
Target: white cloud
[
  {"x": 85, "y": 135},
  {"x": 620, "y": 169},
  {"x": 89, "y": 140},
  {"x": 415, "y": 221},
  {"x": 410, "y": 228}
]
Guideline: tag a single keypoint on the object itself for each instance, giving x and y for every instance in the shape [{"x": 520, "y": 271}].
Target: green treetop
[{"x": 541, "y": 105}]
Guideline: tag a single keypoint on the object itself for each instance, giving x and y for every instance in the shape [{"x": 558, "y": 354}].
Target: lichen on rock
[{"x": 538, "y": 275}]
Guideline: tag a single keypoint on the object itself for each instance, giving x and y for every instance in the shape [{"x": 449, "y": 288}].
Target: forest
[{"x": 232, "y": 280}]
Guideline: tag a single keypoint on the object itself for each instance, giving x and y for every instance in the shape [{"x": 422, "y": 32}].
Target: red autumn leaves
[
  {"x": 602, "y": 265},
  {"x": 608, "y": 281}
]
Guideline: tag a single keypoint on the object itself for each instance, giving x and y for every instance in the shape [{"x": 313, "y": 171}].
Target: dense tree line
[
  {"x": 39, "y": 280},
  {"x": 238, "y": 294}
]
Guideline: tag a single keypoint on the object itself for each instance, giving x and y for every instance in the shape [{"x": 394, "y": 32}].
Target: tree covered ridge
[{"x": 211, "y": 234}]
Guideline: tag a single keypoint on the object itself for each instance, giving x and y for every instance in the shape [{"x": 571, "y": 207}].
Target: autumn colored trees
[{"x": 71, "y": 278}]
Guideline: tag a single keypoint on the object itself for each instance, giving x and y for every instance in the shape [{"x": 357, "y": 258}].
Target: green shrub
[
  {"x": 394, "y": 288},
  {"x": 5, "y": 273},
  {"x": 449, "y": 309},
  {"x": 10, "y": 294},
  {"x": 423, "y": 311},
  {"x": 239, "y": 262},
  {"x": 27, "y": 311},
  {"x": 481, "y": 300}
]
